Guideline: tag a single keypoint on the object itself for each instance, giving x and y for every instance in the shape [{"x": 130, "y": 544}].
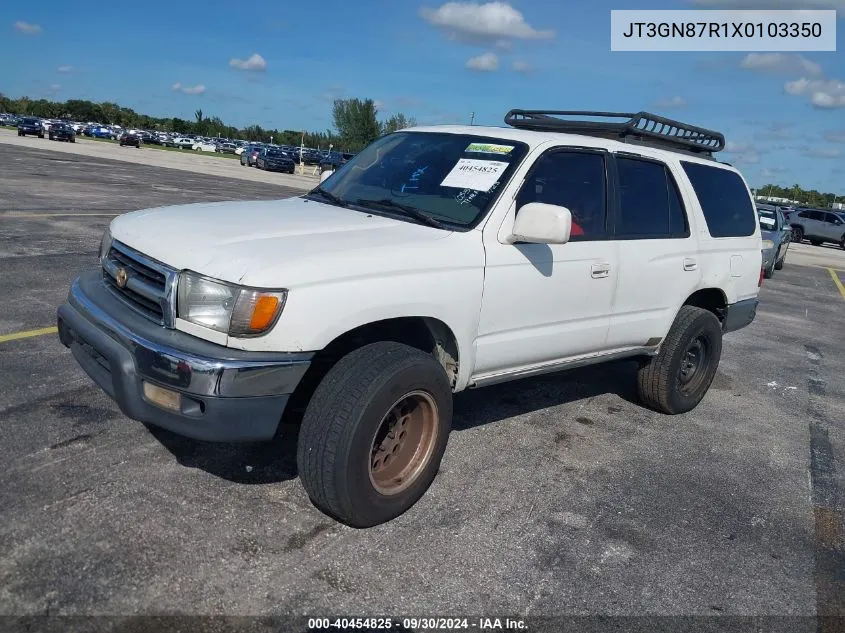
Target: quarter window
[{"x": 724, "y": 198}]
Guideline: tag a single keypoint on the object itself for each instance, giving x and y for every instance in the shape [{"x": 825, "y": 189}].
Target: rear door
[
  {"x": 832, "y": 227},
  {"x": 658, "y": 259},
  {"x": 730, "y": 247}
]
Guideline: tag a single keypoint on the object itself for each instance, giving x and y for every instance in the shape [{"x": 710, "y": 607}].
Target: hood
[{"x": 275, "y": 242}]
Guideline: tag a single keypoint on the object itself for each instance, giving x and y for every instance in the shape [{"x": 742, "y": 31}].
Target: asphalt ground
[{"x": 558, "y": 495}]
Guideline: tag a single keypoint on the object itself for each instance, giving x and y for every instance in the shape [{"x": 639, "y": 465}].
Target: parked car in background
[
  {"x": 275, "y": 160},
  {"x": 818, "y": 226},
  {"x": 62, "y": 132},
  {"x": 30, "y": 126},
  {"x": 334, "y": 160},
  {"x": 250, "y": 155},
  {"x": 130, "y": 138},
  {"x": 204, "y": 146},
  {"x": 776, "y": 235},
  {"x": 226, "y": 148},
  {"x": 184, "y": 142}
]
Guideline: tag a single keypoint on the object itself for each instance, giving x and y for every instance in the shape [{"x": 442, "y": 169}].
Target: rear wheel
[
  {"x": 374, "y": 433},
  {"x": 677, "y": 378}
]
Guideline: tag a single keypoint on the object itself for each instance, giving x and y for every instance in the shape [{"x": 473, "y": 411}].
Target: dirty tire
[
  {"x": 660, "y": 380},
  {"x": 344, "y": 420}
]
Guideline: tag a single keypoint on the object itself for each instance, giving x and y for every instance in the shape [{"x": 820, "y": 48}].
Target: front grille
[{"x": 149, "y": 285}]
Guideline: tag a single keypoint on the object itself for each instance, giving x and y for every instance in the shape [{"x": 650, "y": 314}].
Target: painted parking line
[
  {"x": 837, "y": 281},
  {"x": 16, "y": 336}
]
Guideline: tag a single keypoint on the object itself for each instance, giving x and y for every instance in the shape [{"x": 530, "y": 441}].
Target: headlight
[
  {"x": 105, "y": 244},
  {"x": 228, "y": 308},
  {"x": 767, "y": 244}
]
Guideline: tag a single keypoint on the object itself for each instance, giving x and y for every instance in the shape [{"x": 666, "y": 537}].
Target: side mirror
[
  {"x": 324, "y": 176},
  {"x": 540, "y": 223}
]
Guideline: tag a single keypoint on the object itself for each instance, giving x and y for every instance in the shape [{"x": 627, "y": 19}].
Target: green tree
[
  {"x": 397, "y": 122},
  {"x": 356, "y": 122}
]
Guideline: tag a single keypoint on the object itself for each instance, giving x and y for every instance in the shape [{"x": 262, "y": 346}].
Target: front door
[{"x": 547, "y": 302}]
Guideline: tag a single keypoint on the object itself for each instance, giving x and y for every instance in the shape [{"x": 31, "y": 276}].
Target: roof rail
[{"x": 644, "y": 127}]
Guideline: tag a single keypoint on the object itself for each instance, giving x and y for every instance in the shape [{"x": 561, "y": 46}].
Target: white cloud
[
  {"x": 835, "y": 136},
  {"x": 823, "y": 93},
  {"x": 254, "y": 62},
  {"x": 521, "y": 66},
  {"x": 775, "y": 131},
  {"x": 55, "y": 87},
  {"x": 737, "y": 148},
  {"x": 839, "y": 5},
  {"x": 742, "y": 153},
  {"x": 486, "y": 62},
  {"x": 28, "y": 29},
  {"x": 824, "y": 152},
  {"x": 671, "y": 103},
  {"x": 65, "y": 69},
  {"x": 781, "y": 63},
  {"x": 189, "y": 90},
  {"x": 491, "y": 22},
  {"x": 378, "y": 104}
]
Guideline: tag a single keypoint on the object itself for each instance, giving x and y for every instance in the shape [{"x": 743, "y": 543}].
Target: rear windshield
[
  {"x": 30, "y": 121},
  {"x": 724, "y": 198}
]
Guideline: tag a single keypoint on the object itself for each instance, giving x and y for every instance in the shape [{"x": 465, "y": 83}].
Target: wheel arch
[
  {"x": 428, "y": 334},
  {"x": 712, "y": 299}
]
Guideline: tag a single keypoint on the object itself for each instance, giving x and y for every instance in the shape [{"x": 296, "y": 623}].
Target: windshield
[
  {"x": 768, "y": 220},
  {"x": 452, "y": 178}
]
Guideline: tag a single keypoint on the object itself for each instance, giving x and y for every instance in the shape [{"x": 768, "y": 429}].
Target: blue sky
[{"x": 280, "y": 64}]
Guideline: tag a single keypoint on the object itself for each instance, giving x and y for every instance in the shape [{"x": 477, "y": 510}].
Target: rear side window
[
  {"x": 650, "y": 206},
  {"x": 724, "y": 200}
]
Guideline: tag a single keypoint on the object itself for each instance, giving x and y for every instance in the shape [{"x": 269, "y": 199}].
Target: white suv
[{"x": 438, "y": 259}]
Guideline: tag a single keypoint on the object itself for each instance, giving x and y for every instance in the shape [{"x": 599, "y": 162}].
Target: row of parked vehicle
[
  {"x": 275, "y": 160},
  {"x": 283, "y": 158},
  {"x": 780, "y": 226}
]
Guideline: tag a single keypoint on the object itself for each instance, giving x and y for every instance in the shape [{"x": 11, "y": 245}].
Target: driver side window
[{"x": 575, "y": 180}]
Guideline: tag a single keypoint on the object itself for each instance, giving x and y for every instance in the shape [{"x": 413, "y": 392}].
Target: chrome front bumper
[{"x": 227, "y": 394}]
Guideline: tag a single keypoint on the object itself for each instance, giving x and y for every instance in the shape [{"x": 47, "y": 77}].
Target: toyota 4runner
[{"x": 438, "y": 259}]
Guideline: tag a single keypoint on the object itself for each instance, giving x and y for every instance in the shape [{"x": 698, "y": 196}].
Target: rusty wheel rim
[{"x": 404, "y": 443}]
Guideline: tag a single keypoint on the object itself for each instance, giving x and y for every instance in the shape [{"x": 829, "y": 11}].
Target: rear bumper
[
  {"x": 740, "y": 314},
  {"x": 226, "y": 395}
]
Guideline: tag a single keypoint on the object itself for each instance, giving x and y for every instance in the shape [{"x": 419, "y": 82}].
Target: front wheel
[
  {"x": 842, "y": 243},
  {"x": 797, "y": 234},
  {"x": 677, "y": 378},
  {"x": 374, "y": 433}
]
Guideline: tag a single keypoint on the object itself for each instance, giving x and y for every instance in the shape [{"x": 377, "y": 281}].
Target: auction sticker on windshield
[
  {"x": 472, "y": 173},
  {"x": 489, "y": 148}
]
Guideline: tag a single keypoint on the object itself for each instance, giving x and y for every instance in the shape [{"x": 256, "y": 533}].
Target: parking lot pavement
[
  {"x": 184, "y": 160},
  {"x": 557, "y": 495}
]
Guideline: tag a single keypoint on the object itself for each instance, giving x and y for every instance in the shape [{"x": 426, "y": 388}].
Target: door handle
[
  {"x": 597, "y": 271},
  {"x": 690, "y": 263}
]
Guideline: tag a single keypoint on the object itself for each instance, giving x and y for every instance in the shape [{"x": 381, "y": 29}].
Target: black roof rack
[{"x": 642, "y": 127}]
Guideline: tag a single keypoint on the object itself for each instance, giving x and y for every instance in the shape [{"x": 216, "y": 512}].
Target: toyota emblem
[{"x": 121, "y": 277}]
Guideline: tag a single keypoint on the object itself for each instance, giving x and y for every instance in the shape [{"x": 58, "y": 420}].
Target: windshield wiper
[
  {"x": 333, "y": 199},
  {"x": 390, "y": 205}
]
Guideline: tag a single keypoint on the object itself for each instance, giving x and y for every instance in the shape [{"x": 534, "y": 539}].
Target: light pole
[{"x": 471, "y": 117}]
